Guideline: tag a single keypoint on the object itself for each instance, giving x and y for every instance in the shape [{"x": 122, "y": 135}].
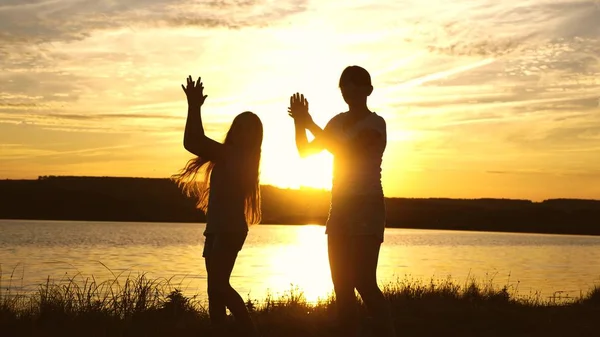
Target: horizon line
[{"x": 301, "y": 188}]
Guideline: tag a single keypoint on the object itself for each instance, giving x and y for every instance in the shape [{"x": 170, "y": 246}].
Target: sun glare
[
  {"x": 315, "y": 171},
  {"x": 287, "y": 170},
  {"x": 303, "y": 264}
]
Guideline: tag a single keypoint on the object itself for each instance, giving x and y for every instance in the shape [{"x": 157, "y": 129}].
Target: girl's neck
[{"x": 360, "y": 110}]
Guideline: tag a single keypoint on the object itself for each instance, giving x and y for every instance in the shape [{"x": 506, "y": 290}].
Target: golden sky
[{"x": 481, "y": 98}]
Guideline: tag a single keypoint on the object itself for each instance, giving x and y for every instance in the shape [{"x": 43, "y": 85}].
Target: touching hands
[
  {"x": 298, "y": 109},
  {"x": 194, "y": 92}
]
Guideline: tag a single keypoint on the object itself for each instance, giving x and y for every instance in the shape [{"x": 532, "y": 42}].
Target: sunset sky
[{"x": 481, "y": 98}]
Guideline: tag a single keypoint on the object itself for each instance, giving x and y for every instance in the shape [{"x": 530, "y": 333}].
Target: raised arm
[
  {"x": 364, "y": 140},
  {"x": 303, "y": 121},
  {"x": 194, "y": 139}
]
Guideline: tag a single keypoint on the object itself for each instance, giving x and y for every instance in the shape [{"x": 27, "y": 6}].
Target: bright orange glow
[
  {"x": 303, "y": 264},
  {"x": 314, "y": 172}
]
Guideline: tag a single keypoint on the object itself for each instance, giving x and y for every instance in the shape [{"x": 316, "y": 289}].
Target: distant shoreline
[
  {"x": 159, "y": 200},
  {"x": 299, "y": 190}
]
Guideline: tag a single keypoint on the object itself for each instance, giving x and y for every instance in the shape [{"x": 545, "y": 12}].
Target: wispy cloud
[{"x": 67, "y": 20}]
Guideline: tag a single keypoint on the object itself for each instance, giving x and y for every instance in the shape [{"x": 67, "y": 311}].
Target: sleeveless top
[{"x": 357, "y": 202}]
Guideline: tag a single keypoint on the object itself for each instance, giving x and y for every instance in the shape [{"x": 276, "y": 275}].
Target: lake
[{"x": 276, "y": 258}]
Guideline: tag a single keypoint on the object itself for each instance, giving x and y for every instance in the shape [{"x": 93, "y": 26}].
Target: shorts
[
  {"x": 224, "y": 243},
  {"x": 357, "y": 216}
]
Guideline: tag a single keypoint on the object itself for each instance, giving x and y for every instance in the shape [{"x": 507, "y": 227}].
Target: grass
[{"x": 138, "y": 306}]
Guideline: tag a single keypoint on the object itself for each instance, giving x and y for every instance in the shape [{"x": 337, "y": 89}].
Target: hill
[{"x": 159, "y": 200}]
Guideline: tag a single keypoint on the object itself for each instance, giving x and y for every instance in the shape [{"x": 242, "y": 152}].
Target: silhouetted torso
[
  {"x": 226, "y": 202},
  {"x": 358, "y": 172},
  {"x": 357, "y": 200}
]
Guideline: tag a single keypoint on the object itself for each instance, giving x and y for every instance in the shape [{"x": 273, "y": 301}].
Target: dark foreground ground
[{"x": 148, "y": 308}]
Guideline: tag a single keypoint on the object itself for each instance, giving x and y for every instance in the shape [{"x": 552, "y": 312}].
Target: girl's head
[
  {"x": 244, "y": 138},
  {"x": 355, "y": 84},
  {"x": 246, "y": 132}
]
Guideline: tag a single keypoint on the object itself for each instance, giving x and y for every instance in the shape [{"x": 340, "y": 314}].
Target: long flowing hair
[{"x": 246, "y": 126}]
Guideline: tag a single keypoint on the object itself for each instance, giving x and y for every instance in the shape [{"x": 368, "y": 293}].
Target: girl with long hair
[{"x": 229, "y": 194}]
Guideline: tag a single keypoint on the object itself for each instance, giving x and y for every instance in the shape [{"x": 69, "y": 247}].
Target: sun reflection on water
[{"x": 303, "y": 264}]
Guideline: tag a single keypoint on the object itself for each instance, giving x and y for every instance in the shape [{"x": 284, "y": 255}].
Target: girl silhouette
[
  {"x": 229, "y": 195},
  {"x": 356, "y": 223}
]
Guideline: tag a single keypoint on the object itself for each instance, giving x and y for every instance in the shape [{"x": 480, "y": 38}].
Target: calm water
[{"x": 277, "y": 257}]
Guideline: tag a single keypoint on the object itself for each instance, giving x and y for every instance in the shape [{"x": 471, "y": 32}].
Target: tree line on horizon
[{"x": 160, "y": 200}]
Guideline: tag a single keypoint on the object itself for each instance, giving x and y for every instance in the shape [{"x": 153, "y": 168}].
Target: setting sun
[{"x": 293, "y": 172}]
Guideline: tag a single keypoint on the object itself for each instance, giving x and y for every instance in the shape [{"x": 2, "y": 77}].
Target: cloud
[
  {"x": 33, "y": 32},
  {"x": 40, "y": 148},
  {"x": 99, "y": 117},
  {"x": 71, "y": 64},
  {"x": 503, "y": 63},
  {"x": 68, "y": 20},
  {"x": 558, "y": 136},
  {"x": 521, "y": 172},
  {"x": 39, "y": 85},
  {"x": 500, "y": 29}
]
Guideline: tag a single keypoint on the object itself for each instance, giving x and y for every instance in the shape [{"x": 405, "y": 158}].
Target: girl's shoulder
[
  {"x": 376, "y": 121},
  {"x": 337, "y": 120}
]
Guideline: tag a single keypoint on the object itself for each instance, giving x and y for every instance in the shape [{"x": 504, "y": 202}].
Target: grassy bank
[{"x": 140, "y": 307}]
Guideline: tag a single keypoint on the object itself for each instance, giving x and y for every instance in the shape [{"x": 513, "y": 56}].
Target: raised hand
[
  {"x": 194, "y": 91},
  {"x": 298, "y": 109}
]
